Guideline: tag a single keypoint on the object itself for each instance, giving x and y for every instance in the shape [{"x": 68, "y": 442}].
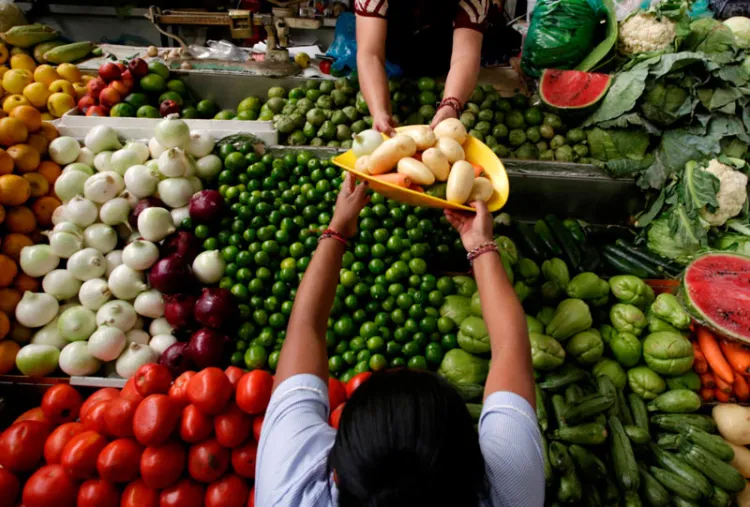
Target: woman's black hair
[{"x": 405, "y": 438}]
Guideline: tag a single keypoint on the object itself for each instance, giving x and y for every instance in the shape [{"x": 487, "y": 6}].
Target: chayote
[
  {"x": 627, "y": 319},
  {"x": 552, "y": 292},
  {"x": 506, "y": 246},
  {"x": 465, "y": 285},
  {"x": 668, "y": 353},
  {"x": 528, "y": 270},
  {"x": 534, "y": 325},
  {"x": 607, "y": 332},
  {"x": 466, "y": 372},
  {"x": 587, "y": 286},
  {"x": 572, "y": 316},
  {"x": 523, "y": 291},
  {"x": 631, "y": 290},
  {"x": 645, "y": 382},
  {"x": 655, "y": 324},
  {"x": 668, "y": 308},
  {"x": 611, "y": 369},
  {"x": 546, "y": 352},
  {"x": 507, "y": 266},
  {"x": 555, "y": 270},
  {"x": 586, "y": 347},
  {"x": 689, "y": 380},
  {"x": 626, "y": 348},
  {"x": 476, "y": 305},
  {"x": 456, "y": 308},
  {"x": 545, "y": 315},
  {"x": 473, "y": 336}
]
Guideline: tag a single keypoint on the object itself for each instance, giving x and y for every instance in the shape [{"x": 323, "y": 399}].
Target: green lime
[
  {"x": 207, "y": 108},
  {"x": 190, "y": 113},
  {"x": 434, "y": 353},
  {"x": 137, "y": 99},
  {"x": 123, "y": 110},
  {"x": 255, "y": 357},
  {"x": 417, "y": 363},
  {"x": 426, "y": 84},
  {"x": 247, "y": 115},
  {"x": 235, "y": 161},
  {"x": 226, "y": 114},
  {"x": 147, "y": 112},
  {"x": 428, "y": 98},
  {"x": 153, "y": 83},
  {"x": 378, "y": 362}
]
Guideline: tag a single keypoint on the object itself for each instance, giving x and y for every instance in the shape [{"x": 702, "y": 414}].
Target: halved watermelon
[
  {"x": 717, "y": 293},
  {"x": 572, "y": 89}
]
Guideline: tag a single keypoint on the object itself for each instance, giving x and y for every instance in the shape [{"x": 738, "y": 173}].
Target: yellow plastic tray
[{"x": 476, "y": 152}]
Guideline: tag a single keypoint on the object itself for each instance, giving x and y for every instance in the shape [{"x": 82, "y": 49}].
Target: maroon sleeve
[
  {"x": 371, "y": 8},
  {"x": 472, "y": 14}
]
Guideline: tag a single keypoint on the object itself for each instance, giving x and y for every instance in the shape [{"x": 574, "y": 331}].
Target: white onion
[
  {"x": 138, "y": 336},
  {"x": 133, "y": 358},
  {"x": 64, "y": 150},
  {"x": 81, "y": 211},
  {"x": 209, "y": 266},
  {"x": 86, "y": 156},
  {"x": 36, "y": 309},
  {"x": 196, "y": 183},
  {"x": 87, "y": 264},
  {"x": 103, "y": 161},
  {"x": 149, "y": 304},
  {"x": 174, "y": 163},
  {"x": 126, "y": 283},
  {"x": 64, "y": 244},
  {"x": 102, "y": 187},
  {"x": 76, "y": 323},
  {"x": 70, "y": 185},
  {"x": 141, "y": 181},
  {"x": 49, "y": 335},
  {"x": 159, "y": 326},
  {"x": 140, "y": 148},
  {"x": 162, "y": 342},
  {"x": 38, "y": 260},
  {"x": 78, "y": 166},
  {"x": 155, "y": 223},
  {"x": 172, "y": 133},
  {"x": 366, "y": 141},
  {"x": 128, "y": 196},
  {"x": 201, "y": 143},
  {"x": 123, "y": 159},
  {"x": 139, "y": 324},
  {"x": 101, "y": 138},
  {"x": 100, "y": 236},
  {"x": 76, "y": 360},
  {"x": 107, "y": 343},
  {"x": 155, "y": 148},
  {"x": 120, "y": 314},
  {"x": 180, "y": 214},
  {"x": 113, "y": 259},
  {"x": 208, "y": 167},
  {"x": 58, "y": 215},
  {"x": 115, "y": 212},
  {"x": 140, "y": 254},
  {"x": 67, "y": 227},
  {"x": 61, "y": 284},
  {"x": 153, "y": 164},
  {"x": 175, "y": 192},
  {"x": 94, "y": 293}
]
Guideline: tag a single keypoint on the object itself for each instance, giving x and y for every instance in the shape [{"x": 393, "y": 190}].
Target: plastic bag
[
  {"x": 561, "y": 34},
  {"x": 218, "y": 50},
  {"x": 10, "y": 16},
  {"x": 343, "y": 49},
  {"x": 724, "y": 9}
]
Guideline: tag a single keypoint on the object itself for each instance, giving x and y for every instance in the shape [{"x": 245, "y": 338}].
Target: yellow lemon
[
  {"x": 3, "y": 53},
  {"x": 62, "y": 86},
  {"x": 60, "y": 103},
  {"x": 15, "y": 80},
  {"x": 46, "y": 74},
  {"x": 22, "y": 61},
  {"x": 47, "y": 117},
  {"x": 12, "y": 101},
  {"x": 3, "y": 70},
  {"x": 37, "y": 94},
  {"x": 69, "y": 72},
  {"x": 80, "y": 90}
]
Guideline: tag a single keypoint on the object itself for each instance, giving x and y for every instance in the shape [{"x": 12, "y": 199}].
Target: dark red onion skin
[
  {"x": 181, "y": 243},
  {"x": 215, "y": 308},
  {"x": 172, "y": 275},
  {"x": 206, "y": 207},
  {"x": 179, "y": 310},
  {"x": 206, "y": 347},
  {"x": 177, "y": 358},
  {"x": 148, "y": 202}
]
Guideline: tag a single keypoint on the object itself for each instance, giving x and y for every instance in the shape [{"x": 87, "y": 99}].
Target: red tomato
[
  {"x": 129, "y": 391},
  {"x": 137, "y": 494},
  {"x": 98, "y": 493},
  {"x": 355, "y": 382},
  {"x": 10, "y": 487},
  {"x": 251, "y": 498},
  {"x": 325, "y": 66},
  {"x": 336, "y": 393},
  {"x": 186, "y": 493},
  {"x": 229, "y": 491},
  {"x": 155, "y": 419},
  {"x": 207, "y": 461},
  {"x": 80, "y": 454},
  {"x": 102, "y": 394},
  {"x": 61, "y": 403},
  {"x": 335, "y": 417},
  {"x": 50, "y": 486},
  {"x": 232, "y": 426},
  {"x": 234, "y": 374},
  {"x": 94, "y": 418},
  {"x": 254, "y": 391},
  {"x": 152, "y": 378},
  {"x": 58, "y": 439},
  {"x": 120, "y": 460},
  {"x": 257, "y": 425},
  {"x": 162, "y": 466},
  {"x": 22, "y": 445},
  {"x": 209, "y": 390},
  {"x": 118, "y": 417},
  {"x": 243, "y": 459},
  {"x": 35, "y": 414},
  {"x": 195, "y": 426},
  {"x": 178, "y": 391}
]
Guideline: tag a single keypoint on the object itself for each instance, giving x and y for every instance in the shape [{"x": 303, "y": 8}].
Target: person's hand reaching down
[
  {"x": 384, "y": 123},
  {"x": 474, "y": 228},
  {"x": 352, "y": 198},
  {"x": 443, "y": 114}
]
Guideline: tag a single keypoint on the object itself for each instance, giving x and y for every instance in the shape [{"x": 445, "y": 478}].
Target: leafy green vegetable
[{"x": 711, "y": 37}]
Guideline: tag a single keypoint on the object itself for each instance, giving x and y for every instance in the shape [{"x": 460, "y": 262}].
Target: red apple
[
  {"x": 97, "y": 111},
  {"x": 95, "y": 87},
  {"x": 169, "y": 107},
  {"x": 138, "y": 67},
  {"x": 121, "y": 87},
  {"x": 110, "y": 97},
  {"x": 121, "y": 66},
  {"x": 86, "y": 102},
  {"x": 109, "y": 72},
  {"x": 128, "y": 80}
]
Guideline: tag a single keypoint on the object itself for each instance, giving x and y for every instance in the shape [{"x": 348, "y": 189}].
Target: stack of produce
[
  {"x": 43, "y": 43},
  {"x": 27, "y": 202}
]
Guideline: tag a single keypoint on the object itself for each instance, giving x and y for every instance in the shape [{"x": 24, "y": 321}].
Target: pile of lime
[{"x": 385, "y": 313}]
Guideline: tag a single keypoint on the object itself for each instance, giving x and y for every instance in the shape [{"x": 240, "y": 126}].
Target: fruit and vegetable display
[{"x": 44, "y": 44}]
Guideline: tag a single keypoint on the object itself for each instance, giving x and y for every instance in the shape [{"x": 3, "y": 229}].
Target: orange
[
  {"x": 13, "y": 101},
  {"x": 38, "y": 142},
  {"x": 14, "y": 190},
  {"x": 43, "y": 209},
  {"x": 20, "y": 220},
  {"x": 25, "y": 157},
  {"x": 46, "y": 74},
  {"x": 39, "y": 185},
  {"x": 13, "y": 244},
  {"x": 30, "y": 116},
  {"x": 22, "y": 61},
  {"x": 6, "y": 163},
  {"x": 13, "y": 131},
  {"x": 37, "y": 94},
  {"x": 20, "y": 334},
  {"x": 62, "y": 86},
  {"x": 9, "y": 298},
  {"x": 60, "y": 103},
  {"x": 50, "y": 170},
  {"x": 69, "y": 72},
  {"x": 49, "y": 131},
  {"x": 24, "y": 282},
  {"x": 2, "y": 214},
  {"x": 14, "y": 81},
  {"x": 8, "y": 352},
  {"x": 8, "y": 270},
  {"x": 4, "y": 328}
]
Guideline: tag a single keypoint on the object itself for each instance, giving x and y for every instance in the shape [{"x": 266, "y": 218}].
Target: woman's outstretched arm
[{"x": 304, "y": 349}]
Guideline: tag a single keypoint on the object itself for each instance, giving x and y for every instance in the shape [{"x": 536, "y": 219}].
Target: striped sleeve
[
  {"x": 471, "y": 14},
  {"x": 371, "y": 8}
]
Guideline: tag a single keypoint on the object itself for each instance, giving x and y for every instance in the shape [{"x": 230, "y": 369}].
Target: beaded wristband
[
  {"x": 453, "y": 103},
  {"x": 489, "y": 246},
  {"x": 330, "y": 233}
]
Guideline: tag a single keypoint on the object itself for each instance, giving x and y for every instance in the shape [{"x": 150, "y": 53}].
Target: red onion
[
  {"x": 177, "y": 358},
  {"x": 206, "y": 206},
  {"x": 179, "y": 309},
  {"x": 181, "y": 243},
  {"x": 148, "y": 202},
  {"x": 206, "y": 347},
  {"x": 215, "y": 308},
  {"x": 172, "y": 275}
]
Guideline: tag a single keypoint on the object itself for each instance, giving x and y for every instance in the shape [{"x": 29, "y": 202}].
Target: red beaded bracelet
[
  {"x": 453, "y": 103},
  {"x": 489, "y": 246},
  {"x": 330, "y": 233}
]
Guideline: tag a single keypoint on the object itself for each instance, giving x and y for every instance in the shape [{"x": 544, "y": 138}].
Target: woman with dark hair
[{"x": 405, "y": 437}]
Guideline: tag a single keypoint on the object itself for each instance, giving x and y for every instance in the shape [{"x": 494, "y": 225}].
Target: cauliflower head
[
  {"x": 645, "y": 32},
  {"x": 732, "y": 193}
]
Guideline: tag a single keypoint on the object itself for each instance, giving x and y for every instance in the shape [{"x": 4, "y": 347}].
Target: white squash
[
  {"x": 416, "y": 171},
  {"x": 460, "y": 182},
  {"x": 451, "y": 149},
  {"x": 741, "y": 460},
  {"x": 743, "y": 498},
  {"x": 733, "y": 422},
  {"x": 481, "y": 190},
  {"x": 452, "y": 128},
  {"x": 386, "y": 156},
  {"x": 423, "y": 136},
  {"x": 436, "y": 162},
  {"x": 363, "y": 164}
]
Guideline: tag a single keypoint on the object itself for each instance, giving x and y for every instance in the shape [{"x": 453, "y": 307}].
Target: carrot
[
  {"x": 396, "y": 179},
  {"x": 699, "y": 364},
  {"x": 714, "y": 357},
  {"x": 478, "y": 169},
  {"x": 707, "y": 394},
  {"x": 741, "y": 389},
  {"x": 707, "y": 380},
  {"x": 416, "y": 188},
  {"x": 738, "y": 356},
  {"x": 721, "y": 396},
  {"x": 722, "y": 386}
]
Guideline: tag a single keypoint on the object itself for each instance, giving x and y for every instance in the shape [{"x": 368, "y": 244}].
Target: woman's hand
[
  {"x": 384, "y": 123},
  {"x": 443, "y": 113},
  {"x": 352, "y": 198},
  {"x": 474, "y": 228}
]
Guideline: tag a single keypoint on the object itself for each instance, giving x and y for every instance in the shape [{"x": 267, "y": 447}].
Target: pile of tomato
[{"x": 158, "y": 442}]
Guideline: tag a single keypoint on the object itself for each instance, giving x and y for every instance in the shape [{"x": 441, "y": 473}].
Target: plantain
[
  {"x": 42, "y": 48},
  {"x": 29, "y": 35},
  {"x": 69, "y": 52}
]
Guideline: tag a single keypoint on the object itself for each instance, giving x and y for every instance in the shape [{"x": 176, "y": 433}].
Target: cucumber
[
  {"x": 660, "y": 263},
  {"x": 558, "y": 408},
  {"x": 681, "y": 502},
  {"x": 721, "y": 474},
  {"x": 573, "y": 394},
  {"x": 669, "y": 441},
  {"x": 559, "y": 458},
  {"x": 621, "y": 264},
  {"x": 720, "y": 498},
  {"x": 541, "y": 408},
  {"x": 610, "y": 492},
  {"x": 569, "y": 490},
  {"x": 591, "y": 260},
  {"x": 548, "y": 474},
  {"x": 638, "y": 410},
  {"x": 712, "y": 443},
  {"x": 532, "y": 246},
  {"x": 636, "y": 434},
  {"x": 592, "y": 467},
  {"x": 565, "y": 240},
  {"x": 626, "y": 469},
  {"x": 592, "y": 497},
  {"x": 675, "y": 484},
  {"x": 608, "y": 388},
  {"x": 678, "y": 401},
  {"x": 679, "y": 422},
  {"x": 652, "y": 490},
  {"x": 676, "y": 465},
  {"x": 581, "y": 411},
  {"x": 632, "y": 499},
  {"x": 565, "y": 376},
  {"x": 575, "y": 230},
  {"x": 545, "y": 236},
  {"x": 627, "y": 255},
  {"x": 625, "y": 416},
  {"x": 583, "y": 434}
]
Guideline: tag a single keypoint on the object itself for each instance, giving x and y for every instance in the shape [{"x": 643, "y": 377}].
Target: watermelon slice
[
  {"x": 572, "y": 89},
  {"x": 717, "y": 293}
]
